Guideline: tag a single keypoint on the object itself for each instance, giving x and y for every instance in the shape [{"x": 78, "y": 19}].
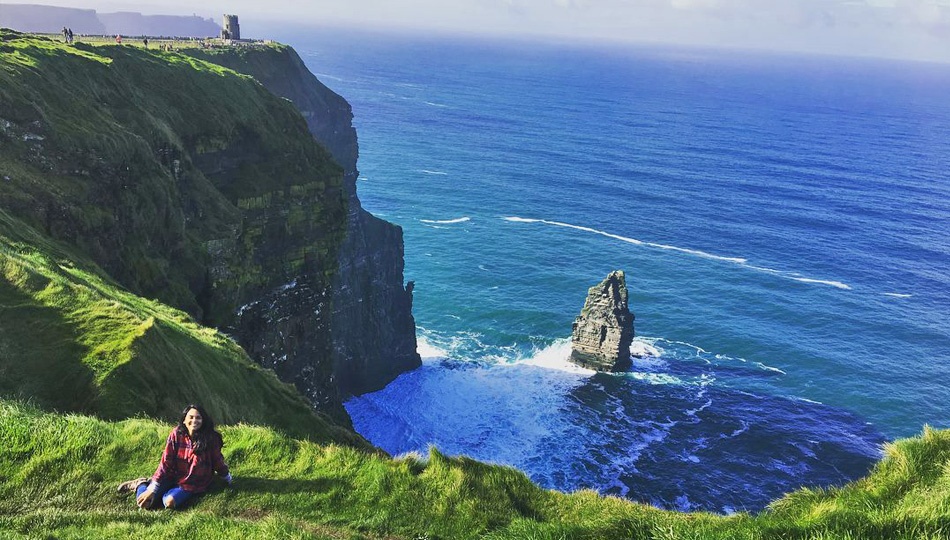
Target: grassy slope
[
  {"x": 58, "y": 475},
  {"x": 73, "y": 340}
]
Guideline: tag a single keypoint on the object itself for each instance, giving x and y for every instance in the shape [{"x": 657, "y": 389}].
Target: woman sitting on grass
[{"x": 192, "y": 453}]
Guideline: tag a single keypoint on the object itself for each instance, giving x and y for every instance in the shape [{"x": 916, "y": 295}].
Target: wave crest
[
  {"x": 447, "y": 221},
  {"x": 735, "y": 260}
]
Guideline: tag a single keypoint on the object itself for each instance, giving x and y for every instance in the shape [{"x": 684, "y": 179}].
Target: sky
[{"x": 913, "y": 29}]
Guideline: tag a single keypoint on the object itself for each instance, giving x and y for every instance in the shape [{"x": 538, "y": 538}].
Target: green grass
[
  {"x": 58, "y": 475},
  {"x": 141, "y": 159},
  {"x": 71, "y": 339}
]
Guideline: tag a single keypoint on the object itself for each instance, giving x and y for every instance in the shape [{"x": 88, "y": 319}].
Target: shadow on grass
[
  {"x": 290, "y": 486},
  {"x": 41, "y": 354}
]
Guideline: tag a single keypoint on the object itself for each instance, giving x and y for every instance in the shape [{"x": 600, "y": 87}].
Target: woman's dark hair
[{"x": 206, "y": 435}]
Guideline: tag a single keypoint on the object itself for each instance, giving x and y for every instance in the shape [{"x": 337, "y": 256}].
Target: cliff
[
  {"x": 602, "y": 333},
  {"x": 52, "y": 19},
  {"x": 372, "y": 327},
  {"x": 186, "y": 182}
]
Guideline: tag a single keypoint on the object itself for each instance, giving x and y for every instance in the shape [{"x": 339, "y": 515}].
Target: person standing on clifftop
[{"x": 191, "y": 457}]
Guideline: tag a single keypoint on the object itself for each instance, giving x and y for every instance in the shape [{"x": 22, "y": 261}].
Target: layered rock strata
[
  {"x": 602, "y": 333},
  {"x": 210, "y": 194},
  {"x": 372, "y": 328}
]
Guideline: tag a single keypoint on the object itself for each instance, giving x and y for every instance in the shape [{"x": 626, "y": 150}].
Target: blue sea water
[{"x": 784, "y": 225}]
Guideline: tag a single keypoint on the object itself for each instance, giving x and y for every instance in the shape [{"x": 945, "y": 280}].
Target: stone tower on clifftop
[{"x": 230, "y": 28}]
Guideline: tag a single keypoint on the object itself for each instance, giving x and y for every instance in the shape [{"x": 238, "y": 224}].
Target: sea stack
[{"x": 602, "y": 333}]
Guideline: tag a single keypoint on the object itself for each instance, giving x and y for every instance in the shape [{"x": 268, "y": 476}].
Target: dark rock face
[
  {"x": 602, "y": 333},
  {"x": 372, "y": 328}
]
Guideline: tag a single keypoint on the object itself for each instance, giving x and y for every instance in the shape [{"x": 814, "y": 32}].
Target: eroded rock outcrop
[
  {"x": 371, "y": 325},
  {"x": 603, "y": 331}
]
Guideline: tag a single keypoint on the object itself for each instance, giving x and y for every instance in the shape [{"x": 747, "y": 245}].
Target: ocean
[{"x": 783, "y": 222}]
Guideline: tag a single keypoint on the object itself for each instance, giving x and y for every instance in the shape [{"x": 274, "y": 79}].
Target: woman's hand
[{"x": 146, "y": 499}]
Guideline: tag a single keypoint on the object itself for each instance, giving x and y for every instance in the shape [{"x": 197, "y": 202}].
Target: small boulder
[{"x": 602, "y": 333}]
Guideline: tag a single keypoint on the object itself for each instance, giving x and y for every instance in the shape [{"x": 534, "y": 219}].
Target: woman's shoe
[{"x": 132, "y": 485}]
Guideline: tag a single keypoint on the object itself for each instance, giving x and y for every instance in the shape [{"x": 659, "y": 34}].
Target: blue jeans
[{"x": 166, "y": 490}]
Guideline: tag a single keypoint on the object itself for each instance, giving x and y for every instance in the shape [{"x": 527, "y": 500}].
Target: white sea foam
[
  {"x": 701, "y": 408},
  {"x": 626, "y": 239},
  {"x": 555, "y": 356},
  {"x": 436, "y": 173},
  {"x": 837, "y": 284},
  {"x": 446, "y": 221},
  {"x": 290, "y": 285},
  {"x": 898, "y": 295},
  {"x": 439, "y": 105},
  {"x": 491, "y": 404},
  {"x": 327, "y": 76},
  {"x": 640, "y": 349},
  {"x": 735, "y": 260},
  {"x": 699, "y": 351},
  {"x": 648, "y": 363},
  {"x": 428, "y": 350},
  {"x": 764, "y": 367},
  {"x": 656, "y": 378}
]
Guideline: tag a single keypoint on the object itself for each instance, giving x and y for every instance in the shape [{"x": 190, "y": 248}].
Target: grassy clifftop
[{"x": 59, "y": 474}]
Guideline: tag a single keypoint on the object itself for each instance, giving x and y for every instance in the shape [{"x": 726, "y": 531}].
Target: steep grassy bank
[
  {"x": 71, "y": 339},
  {"x": 59, "y": 474}
]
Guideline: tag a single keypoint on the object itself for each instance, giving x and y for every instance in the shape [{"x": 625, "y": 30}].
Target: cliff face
[
  {"x": 194, "y": 185},
  {"x": 372, "y": 328},
  {"x": 186, "y": 182},
  {"x": 603, "y": 331}
]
